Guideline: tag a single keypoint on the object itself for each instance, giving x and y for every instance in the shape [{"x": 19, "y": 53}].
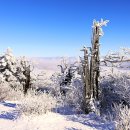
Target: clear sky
[{"x": 61, "y": 27}]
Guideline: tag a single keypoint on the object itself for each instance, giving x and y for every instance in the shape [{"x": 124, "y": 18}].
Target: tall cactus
[{"x": 91, "y": 65}]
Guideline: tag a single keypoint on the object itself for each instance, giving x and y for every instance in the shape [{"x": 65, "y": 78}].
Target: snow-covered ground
[
  {"x": 10, "y": 119},
  {"x": 63, "y": 119}
]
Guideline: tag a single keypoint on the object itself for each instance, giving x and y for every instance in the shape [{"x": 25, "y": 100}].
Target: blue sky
[{"x": 61, "y": 27}]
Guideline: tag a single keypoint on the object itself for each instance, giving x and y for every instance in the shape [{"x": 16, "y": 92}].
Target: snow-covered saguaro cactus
[
  {"x": 95, "y": 59},
  {"x": 90, "y": 65}
]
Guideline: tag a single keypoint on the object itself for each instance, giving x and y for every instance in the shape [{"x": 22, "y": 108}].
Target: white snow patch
[{"x": 49, "y": 121}]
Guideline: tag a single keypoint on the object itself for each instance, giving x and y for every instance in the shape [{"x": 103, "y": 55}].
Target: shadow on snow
[
  {"x": 12, "y": 115},
  {"x": 91, "y": 120},
  {"x": 72, "y": 128},
  {"x": 66, "y": 110},
  {"x": 13, "y": 105}
]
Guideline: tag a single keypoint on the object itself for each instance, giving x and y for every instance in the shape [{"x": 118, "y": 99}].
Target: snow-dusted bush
[
  {"x": 8, "y": 93},
  {"x": 115, "y": 88},
  {"x": 74, "y": 95},
  {"x": 68, "y": 85},
  {"x": 122, "y": 117},
  {"x": 4, "y": 91},
  {"x": 115, "y": 80},
  {"x": 44, "y": 83},
  {"x": 15, "y": 72},
  {"x": 36, "y": 103},
  {"x": 119, "y": 59}
]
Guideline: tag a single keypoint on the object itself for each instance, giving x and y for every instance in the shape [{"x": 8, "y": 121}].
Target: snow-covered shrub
[
  {"x": 119, "y": 117},
  {"x": 122, "y": 117},
  {"x": 43, "y": 83},
  {"x": 115, "y": 80},
  {"x": 68, "y": 84},
  {"x": 8, "y": 93},
  {"x": 4, "y": 91},
  {"x": 115, "y": 89},
  {"x": 74, "y": 92},
  {"x": 74, "y": 95},
  {"x": 36, "y": 103},
  {"x": 56, "y": 79},
  {"x": 15, "y": 72},
  {"x": 119, "y": 59}
]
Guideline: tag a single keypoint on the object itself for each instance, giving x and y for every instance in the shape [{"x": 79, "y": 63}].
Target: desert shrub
[
  {"x": 73, "y": 92},
  {"x": 122, "y": 117},
  {"x": 36, "y": 103},
  {"x": 68, "y": 83},
  {"x": 74, "y": 95},
  {"x": 119, "y": 117},
  {"x": 45, "y": 84},
  {"x": 4, "y": 91},
  {"x": 8, "y": 93},
  {"x": 115, "y": 89}
]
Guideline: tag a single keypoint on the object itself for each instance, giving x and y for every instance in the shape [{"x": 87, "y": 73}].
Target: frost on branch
[
  {"x": 99, "y": 25},
  {"x": 118, "y": 59},
  {"x": 9, "y": 56}
]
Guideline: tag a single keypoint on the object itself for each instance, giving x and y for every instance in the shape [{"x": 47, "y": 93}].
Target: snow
[{"x": 11, "y": 119}]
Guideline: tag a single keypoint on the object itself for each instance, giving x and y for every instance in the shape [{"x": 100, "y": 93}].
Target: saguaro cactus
[{"x": 91, "y": 64}]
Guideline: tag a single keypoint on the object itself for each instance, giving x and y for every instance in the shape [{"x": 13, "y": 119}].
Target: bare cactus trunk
[
  {"x": 91, "y": 71},
  {"x": 95, "y": 62}
]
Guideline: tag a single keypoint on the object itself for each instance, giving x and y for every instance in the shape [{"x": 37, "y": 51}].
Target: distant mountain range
[{"x": 49, "y": 63}]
